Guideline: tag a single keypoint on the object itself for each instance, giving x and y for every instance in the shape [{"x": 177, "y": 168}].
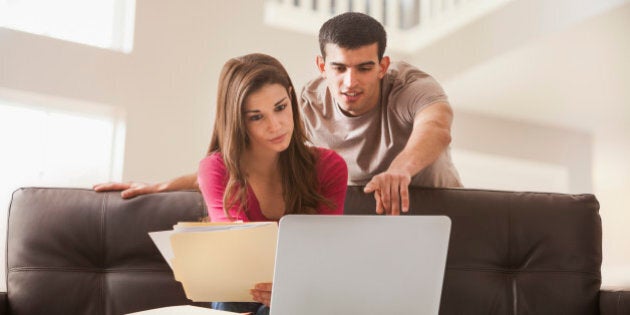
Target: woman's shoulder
[
  {"x": 212, "y": 161},
  {"x": 324, "y": 154},
  {"x": 214, "y": 157},
  {"x": 328, "y": 159}
]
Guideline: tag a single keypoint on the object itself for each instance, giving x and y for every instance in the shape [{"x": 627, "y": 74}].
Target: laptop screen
[{"x": 359, "y": 264}]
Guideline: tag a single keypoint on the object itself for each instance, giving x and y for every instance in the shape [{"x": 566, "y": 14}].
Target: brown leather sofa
[{"x": 74, "y": 251}]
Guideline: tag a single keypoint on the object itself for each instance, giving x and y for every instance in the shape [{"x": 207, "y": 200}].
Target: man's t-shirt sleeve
[{"x": 418, "y": 92}]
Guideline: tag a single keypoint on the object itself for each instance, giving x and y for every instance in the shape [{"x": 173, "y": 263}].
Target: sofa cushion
[
  {"x": 512, "y": 252},
  {"x": 75, "y": 251}
]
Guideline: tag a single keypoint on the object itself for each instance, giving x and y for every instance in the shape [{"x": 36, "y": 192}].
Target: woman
[{"x": 258, "y": 166}]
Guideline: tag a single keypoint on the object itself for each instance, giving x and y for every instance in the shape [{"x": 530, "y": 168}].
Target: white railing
[{"x": 410, "y": 24}]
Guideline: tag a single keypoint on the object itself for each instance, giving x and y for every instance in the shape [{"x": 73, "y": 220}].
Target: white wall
[
  {"x": 518, "y": 140},
  {"x": 167, "y": 84},
  {"x": 574, "y": 78}
]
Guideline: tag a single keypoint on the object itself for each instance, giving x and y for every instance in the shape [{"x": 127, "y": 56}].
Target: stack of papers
[
  {"x": 183, "y": 310},
  {"x": 219, "y": 262}
]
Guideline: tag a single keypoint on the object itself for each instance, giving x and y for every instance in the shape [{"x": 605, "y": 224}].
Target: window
[
  {"x": 58, "y": 142},
  {"x": 101, "y": 23},
  {"x": 50, "y": 141}
]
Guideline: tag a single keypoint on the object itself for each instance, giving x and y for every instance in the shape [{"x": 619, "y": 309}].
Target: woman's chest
[{"x": 269, "y": 197}]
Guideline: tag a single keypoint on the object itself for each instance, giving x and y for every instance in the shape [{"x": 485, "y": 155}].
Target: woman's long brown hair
[{"x": 239, "y": 78}]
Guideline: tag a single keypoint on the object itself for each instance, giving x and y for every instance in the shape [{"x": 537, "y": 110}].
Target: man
[{"x": 391, "y": 124}]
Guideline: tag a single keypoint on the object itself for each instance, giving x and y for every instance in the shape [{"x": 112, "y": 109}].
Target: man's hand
[
  {"x": 129, "y": 189},
  {"x": 391, "y": 191},
  {"x": 132, "y": 189},
  {"x": 262, "y": 293},
  {"x": 430, "y": 136}
]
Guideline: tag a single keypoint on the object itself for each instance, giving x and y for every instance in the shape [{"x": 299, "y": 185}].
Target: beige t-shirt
[{"x": 368, "y": 143}]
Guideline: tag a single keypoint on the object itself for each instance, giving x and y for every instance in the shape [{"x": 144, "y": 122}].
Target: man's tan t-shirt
[{"x": 370, "y": 142}]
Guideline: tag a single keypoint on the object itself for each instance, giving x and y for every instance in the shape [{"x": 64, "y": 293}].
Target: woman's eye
[
  {"x": 255, "y": 117},
  {"x": 281, "y": 107}
]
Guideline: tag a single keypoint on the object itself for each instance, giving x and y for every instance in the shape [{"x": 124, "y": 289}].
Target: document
[
  {"x": 183, "y": 310},
  {"x": 219, "y": 262}
]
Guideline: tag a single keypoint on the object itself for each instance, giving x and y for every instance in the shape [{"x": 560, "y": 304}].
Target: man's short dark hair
[{"x": 352, "y": 30}]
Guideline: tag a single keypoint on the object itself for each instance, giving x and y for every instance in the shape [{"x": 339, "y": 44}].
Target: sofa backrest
[
  {"x": 512, "y": 252},
  {"x": 75, "y": 251}
]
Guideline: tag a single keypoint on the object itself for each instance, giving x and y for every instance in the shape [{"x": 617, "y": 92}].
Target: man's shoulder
[
  {"x": 407, "y": 90},
  {"x": 404, "y": 73},
  {"x": 407, "y": 82},
  {"x": 313, "y": 92},
  {"x": 316, "y": 103},
  {"x": 315, "y": 84}
]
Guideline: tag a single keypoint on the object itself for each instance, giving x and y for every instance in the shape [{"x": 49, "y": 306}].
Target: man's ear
[
  {"x": 321, "y": 65},
  {"x": 384, "y": 65}
]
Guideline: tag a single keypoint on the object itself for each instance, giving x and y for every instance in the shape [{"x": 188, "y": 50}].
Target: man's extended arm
[
  {"x": 132, "y": 189},
  {"x": 430, "y": 136}
]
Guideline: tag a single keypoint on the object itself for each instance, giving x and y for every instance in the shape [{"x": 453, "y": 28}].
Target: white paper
[
  {"x": 162, "y": 240},
  {"x": 182, "y": 310},
  {"x": 219, "y": 262}
]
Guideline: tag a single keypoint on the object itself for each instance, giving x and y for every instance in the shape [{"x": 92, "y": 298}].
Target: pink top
[{"x": 332, "y": 174}]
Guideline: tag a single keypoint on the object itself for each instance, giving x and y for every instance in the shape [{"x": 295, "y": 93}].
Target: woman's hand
[{"x": 262, "y": 293}]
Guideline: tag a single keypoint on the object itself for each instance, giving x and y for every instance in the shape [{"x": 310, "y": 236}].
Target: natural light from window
[
  {"x": 102, "y": 23},
  {"x": 49, "y": 141},
  {"x": 59, "y": 143}
]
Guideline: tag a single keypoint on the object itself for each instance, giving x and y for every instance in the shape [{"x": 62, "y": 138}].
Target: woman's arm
[
  {"x": 212, "y": 181},
  {"x": 332, "y": 173}
]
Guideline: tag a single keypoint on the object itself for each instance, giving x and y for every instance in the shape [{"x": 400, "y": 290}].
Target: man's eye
[
  {"x": 339, "y": 69},
  {"x": 281, "y": 107},
  {"x": 365, "y": 69},
  {"x": 255, "y": 117}
]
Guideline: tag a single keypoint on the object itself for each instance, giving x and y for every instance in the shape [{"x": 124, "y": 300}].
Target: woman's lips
[{"x": 278, "y": 139}]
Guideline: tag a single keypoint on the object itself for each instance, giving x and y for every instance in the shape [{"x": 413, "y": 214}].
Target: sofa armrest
[
  {"x": 4, "y": 303},
  {"x": 614, "y": 302}
]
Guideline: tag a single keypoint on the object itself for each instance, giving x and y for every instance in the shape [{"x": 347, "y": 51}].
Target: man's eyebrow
[
  {"x": 363, "y": 64},
  {"x": 274, "y": 105}
]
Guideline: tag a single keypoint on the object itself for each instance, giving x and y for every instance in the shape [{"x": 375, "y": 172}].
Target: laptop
[{"x": 359, "y": 264}]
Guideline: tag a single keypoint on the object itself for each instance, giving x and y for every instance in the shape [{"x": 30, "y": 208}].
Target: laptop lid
[{"x": 359, "y": 264}]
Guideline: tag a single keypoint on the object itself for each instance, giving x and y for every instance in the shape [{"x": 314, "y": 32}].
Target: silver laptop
[{"x": 359, "y": 265}]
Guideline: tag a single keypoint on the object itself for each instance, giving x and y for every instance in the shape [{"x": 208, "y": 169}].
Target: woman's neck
[
  {"x": 259, "y": 163},
  {"x": 265, "y": 179}
]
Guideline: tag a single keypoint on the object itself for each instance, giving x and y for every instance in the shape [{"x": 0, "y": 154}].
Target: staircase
[{"x": 410, "y": 24}]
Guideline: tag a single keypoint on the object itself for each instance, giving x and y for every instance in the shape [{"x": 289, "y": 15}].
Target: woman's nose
[{"x": 273, "y": 124}]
